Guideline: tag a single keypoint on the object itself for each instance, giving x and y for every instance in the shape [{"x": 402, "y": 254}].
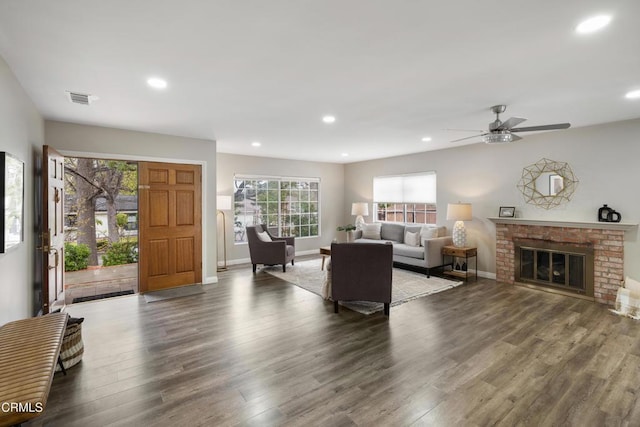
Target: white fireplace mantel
[{"x": 626, "y": 226}]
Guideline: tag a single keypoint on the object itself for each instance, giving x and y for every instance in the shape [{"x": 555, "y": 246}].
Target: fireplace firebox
[{"x": 560, "y": 266}]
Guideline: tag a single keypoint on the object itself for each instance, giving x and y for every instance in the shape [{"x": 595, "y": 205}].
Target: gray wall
[
  {"x": 331, "y": 195},
  {"x": 21, "y": 134},
  {"x": 604, "y": 159},
  {"x": 83, "y": 140}
]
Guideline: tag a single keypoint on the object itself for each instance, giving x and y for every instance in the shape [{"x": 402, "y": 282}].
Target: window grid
[
  {"x": 288, "y": 207},
  {"x": 416, "y": 213}
]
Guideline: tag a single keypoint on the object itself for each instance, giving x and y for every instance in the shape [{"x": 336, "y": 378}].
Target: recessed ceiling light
[
  {"x": 426, "y": 139},
  {"x": 157, "y": 83},
  {"x": 345, "y": 154},
  {"x": 593, "y": 24},
  {"x": 329, "y": 119},
  {"x": 256, "y": 144},
  {"x": 634, "y": 94}
]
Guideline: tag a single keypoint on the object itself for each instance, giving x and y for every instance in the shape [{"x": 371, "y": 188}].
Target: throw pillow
[
  {"x": 371, "y": 231},
  {"x": 264, "y": 236},
  {"x": 632, "y": 285},
  {"x": 412, "y": 239},
  {"x": 428, "y": 233}
]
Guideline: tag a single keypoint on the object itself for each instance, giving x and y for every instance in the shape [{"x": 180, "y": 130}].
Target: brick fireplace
[{"x": 605, "y": 239}]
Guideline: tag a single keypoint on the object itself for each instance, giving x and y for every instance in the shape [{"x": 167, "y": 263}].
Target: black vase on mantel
[{"x": 607, "y": 214}]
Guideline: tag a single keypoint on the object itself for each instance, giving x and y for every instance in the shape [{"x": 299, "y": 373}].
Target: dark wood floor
[{"x": 254, "y": 350}]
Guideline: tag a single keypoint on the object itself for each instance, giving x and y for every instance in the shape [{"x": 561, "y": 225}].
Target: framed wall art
[
  {"x": 507, "y": 212},
  {"x": 12, "y": 201}
]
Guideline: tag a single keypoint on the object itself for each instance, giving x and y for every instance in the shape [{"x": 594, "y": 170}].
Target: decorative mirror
[{"x": 547, "y": 183}]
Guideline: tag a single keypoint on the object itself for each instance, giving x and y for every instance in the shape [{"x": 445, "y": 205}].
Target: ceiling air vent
[{"x": 80, "y": 98}]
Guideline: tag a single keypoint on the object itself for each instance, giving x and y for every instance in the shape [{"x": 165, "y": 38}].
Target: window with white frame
[
  {"x": 405, "y": 198},
  {"x": 287, "y": 206}
]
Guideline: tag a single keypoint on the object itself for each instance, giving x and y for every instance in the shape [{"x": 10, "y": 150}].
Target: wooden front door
[
  {"x": 170, "y": 218},
  {"x": 52, "y": 227}
]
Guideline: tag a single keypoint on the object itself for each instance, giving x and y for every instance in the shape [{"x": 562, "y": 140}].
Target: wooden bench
[{"x": 29, "y": 351}]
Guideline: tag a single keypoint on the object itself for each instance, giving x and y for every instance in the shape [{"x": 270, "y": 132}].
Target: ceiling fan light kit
[{"x": 497, "y": 138}]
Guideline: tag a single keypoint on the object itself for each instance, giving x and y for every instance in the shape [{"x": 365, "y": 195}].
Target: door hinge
[{"x": 45, "y": 238}]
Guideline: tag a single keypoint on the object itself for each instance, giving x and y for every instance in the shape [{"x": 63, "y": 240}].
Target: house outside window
[
  {"x": 419, "y": 213},
  {"x": 287, "y": 206},
  {"x": 405, "y": 198}
]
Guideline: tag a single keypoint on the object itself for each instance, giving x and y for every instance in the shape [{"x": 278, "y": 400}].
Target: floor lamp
[{"x": 223, "y": 204}]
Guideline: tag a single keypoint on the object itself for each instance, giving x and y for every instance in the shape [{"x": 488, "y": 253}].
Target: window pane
[
  {"x": 288, "y": 208},
  {"x": 419, "y": 213}
]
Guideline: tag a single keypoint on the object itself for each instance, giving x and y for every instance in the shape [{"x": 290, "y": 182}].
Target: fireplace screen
[{"x": 560, "y": 266}]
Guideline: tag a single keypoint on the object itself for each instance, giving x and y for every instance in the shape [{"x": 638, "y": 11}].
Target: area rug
[
  {"x": 165, "y": 294},
  {"x": 407, "y": 285}
]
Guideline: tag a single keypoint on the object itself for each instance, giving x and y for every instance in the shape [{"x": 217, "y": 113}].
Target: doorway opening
[{"x": 100, "y": 228}]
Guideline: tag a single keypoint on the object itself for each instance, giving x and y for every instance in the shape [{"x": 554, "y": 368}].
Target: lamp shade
[
  {"x": 459, "y": 212},
  {"x": 360, "y": 208},
  {"x": 223, "y": 203}
]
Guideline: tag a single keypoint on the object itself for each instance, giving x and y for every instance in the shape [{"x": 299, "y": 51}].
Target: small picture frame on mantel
[{"x": 507, "y": 212}]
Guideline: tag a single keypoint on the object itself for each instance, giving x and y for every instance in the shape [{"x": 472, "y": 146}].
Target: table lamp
[
  {"x": 459, "y": 212},
  {"x": 360, "y": 209}
]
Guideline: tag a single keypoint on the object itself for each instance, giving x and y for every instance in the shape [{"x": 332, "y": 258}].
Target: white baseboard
[
  {"x": 210, "y": 280},
  {"x": 248, "y": 260},
  {"x": 486, "y": 275}
]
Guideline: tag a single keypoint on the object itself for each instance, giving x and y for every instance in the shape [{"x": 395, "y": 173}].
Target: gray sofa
[{"x": 426, "y": 256}]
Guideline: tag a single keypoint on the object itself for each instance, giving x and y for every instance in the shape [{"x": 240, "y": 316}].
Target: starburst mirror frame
[{"x": 531, "y": 173}]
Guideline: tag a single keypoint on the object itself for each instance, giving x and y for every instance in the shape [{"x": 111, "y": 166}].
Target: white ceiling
[{"x": 391, "y": 71}]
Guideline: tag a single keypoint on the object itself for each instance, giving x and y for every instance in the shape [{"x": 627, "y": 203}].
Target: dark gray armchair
[
  {"x": 280, "y": 250},
  {"x": 361, "y": 272}
]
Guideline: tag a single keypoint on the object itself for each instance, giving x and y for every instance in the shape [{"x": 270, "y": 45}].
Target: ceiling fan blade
[
  {"x": 468, "y": 137},
  {"x": 508, "y": 124},
  {"x": 464, "y": 130},
  {"x": 543, "y": 127},
  {"x": 515, "y": 137}
]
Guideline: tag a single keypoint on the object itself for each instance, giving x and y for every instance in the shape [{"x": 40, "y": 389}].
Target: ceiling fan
[{"x": 500, "y": 132}]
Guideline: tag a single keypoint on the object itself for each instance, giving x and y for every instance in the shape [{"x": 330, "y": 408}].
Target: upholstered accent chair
[
  {"x": 269, "y": 250},
  {"x": 361, "y": 272}
]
